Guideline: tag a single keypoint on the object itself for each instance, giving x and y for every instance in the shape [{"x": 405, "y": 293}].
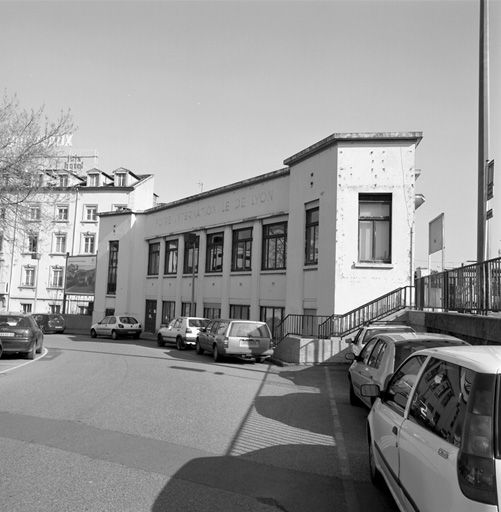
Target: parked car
[
  {"x": 182, "y": 331},
  {"x": 50, "y": 322},
  {"x": 383, "y": 353},
  {"x": 365, "y": 333},
  {"x": 434, "y": 431},
  {"x": 245, "y": 339},
  {"x": 116, "y": 326},
  {"x": 20, "y": 333}
]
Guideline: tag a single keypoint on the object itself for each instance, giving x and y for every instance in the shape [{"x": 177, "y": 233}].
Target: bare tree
[{"x": 29, "y": 147}]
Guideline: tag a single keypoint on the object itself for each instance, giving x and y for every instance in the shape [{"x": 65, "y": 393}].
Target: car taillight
[
  {"x": 188, "y": 330},
  {"x": 25, "y": 333},
  {"x": 476, "y": 465},
  {"x": 226, "y": 342}
]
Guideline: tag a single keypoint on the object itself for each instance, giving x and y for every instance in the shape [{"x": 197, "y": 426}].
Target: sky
[{"x": 203, "y": 94}]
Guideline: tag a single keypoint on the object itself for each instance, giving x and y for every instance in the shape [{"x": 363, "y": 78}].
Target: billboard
[
  {"x": 436, "y": 234},
  {"x": 80, "y": 275}
]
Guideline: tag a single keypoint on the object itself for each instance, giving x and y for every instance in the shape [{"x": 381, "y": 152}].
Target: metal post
[{"x": 64, "y": 292}]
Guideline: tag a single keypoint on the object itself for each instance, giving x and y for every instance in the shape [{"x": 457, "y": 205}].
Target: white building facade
[
  {"x": 325, "y": 234},
  {"x": 61, "y": 219}
]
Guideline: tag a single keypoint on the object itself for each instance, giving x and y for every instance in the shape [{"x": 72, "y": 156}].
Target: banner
[
  {"x": 80, "y": 275},
  {"x": 436, "y": 234}
]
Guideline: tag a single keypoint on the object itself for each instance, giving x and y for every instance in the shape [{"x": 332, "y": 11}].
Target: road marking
[
  {"x": 43, "y": 354},
  {"x": 344, "y": 465}
]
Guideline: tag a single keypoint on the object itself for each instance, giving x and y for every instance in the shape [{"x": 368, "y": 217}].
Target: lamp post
[{"x": 192, "y": 241}]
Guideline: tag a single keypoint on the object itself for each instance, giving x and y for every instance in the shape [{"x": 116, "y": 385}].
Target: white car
[
  {"x": 116, "y": 326},
  {"x": 365, "y": 333},
  {"x": 434, "y": 431},
  {"x": 182, "y": 331}
]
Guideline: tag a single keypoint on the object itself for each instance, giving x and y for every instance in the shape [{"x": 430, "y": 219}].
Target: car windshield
[
  {"x": 249, "y": 330},
  {"x": 128, "y": 320},
  {"x": 15, "y": 321},
  {"x": 197, "y": 322}
]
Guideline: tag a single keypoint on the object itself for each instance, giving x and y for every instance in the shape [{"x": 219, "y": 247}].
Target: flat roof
[{"x": 351, "y": 137}]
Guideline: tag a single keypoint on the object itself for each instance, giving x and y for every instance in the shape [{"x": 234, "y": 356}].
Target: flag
[{"x": 436, "y": 234}]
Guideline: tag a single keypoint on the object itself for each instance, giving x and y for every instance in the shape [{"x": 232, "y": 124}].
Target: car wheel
[
  {"x": 353, "y": 398},
  {"x": 93, "y": 333},
  {"x": 198, "y": 348},
  {"x": 216, "y": 355},
  {"x": 1, "y": 350},
  {"x": 180, "y": 344},
  {"x": 114, "y": 335},
  {"x": 31, "y": 354},
  {"x": 160, "y": 341},
  {"x": 376, "y": 477}
]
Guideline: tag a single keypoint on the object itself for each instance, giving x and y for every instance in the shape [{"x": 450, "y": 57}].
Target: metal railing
[
  {"x": 299, "y": 325},
  {"x": 472, "y": 288}
]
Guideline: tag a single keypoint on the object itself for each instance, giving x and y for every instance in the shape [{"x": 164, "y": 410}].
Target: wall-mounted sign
[
  {"x": 490, "y": 180},
  {"x": 80, "y": 275}
]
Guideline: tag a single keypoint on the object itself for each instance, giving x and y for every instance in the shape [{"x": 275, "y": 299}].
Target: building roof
[{"x": 351, "y": 137}]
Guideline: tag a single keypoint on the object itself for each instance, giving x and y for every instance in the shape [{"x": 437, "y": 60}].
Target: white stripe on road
[{"x": 43, "y": 354}]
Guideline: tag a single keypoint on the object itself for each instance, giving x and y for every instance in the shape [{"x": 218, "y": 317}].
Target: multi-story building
[
  {"x": 327, "y": 233},
  {"x": 60, "y": 219}
]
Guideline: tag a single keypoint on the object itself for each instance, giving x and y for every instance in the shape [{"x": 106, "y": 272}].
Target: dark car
[
  {"x": 50, "y": 322},
  {"x": 20, "y": 333}
]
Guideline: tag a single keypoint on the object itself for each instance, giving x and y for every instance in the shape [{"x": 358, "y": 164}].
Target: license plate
[
  {"x": 249, "y": 343},
  {"x": 7, "y": 334},
  {"x": 132, "y": 332}
]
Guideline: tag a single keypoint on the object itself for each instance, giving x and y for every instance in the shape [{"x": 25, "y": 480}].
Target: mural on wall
[{"x": 80, "y": 275}]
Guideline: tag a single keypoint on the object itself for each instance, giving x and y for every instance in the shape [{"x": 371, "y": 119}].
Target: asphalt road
[{"x": 103, "y": 426}]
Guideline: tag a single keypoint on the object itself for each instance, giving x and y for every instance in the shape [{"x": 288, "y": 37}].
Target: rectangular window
[
  {"x": 63, "y": 180},
  {"x": 214, "y": 259},
  {"x": 34, "y": 212},
  {"x": 38, "y": 180},
  {"x": 374, "y": 228},
  {"x": 239, "y": 312},
  {"x": 191, "y": 253},
  {"x": 273, "y": 316},
  {"x": 55, "y": 308},
  {"x": 89, "y": 243},
  {"x": 56, "y": 277},
  {"x": 120, "y": 179},
  {"x": 62, "y": 213},
  {"x": 212, "y": 311},
  {"x": 112, "y": 268},
  {"x": 274, "y": 246},
  {"x": 186, "y": 309},
  {"x": 311, "y": 236},
  {"x": 120, "y": 207},
  {"x": 60, "y": 243},
  {"x": 32, "y": 243},
  {"x": 171, "y": 252},
  {"x": 27, "y": 307},
  {"x": 90, "y": 213},
  {"x": 153, "y": 258},
  {"x": 28, "y": 276},
  {"x": 93, "y": 180},
  {"x": 168, "y": 311},
  {"x": 241, "y": 254}
]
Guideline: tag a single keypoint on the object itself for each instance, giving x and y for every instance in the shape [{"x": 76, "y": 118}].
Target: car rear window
[
  {"x": 197, "y": 322},
  {"x": 15, "y": 321},
  {"x": 128, "y": 320},
  {"x": 370, "y": 333},
  {"x": 249, "y": 330},
  {"x": 404, "y": 350}
]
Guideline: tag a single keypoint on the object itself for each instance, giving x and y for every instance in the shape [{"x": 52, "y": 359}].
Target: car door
[
  {"x": 100, "y": 326},
  {"x": 169, "y": 334},
  {"x": 360, "y": 372},
  {"x": 207, "y": 337},
  {"x": 430, "y": 438},
  {"x": 387, "y": 416},
  {"x": 109, "y": 325}
]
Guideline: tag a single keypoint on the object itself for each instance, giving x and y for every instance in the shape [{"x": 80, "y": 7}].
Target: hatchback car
[
  {"x": 182, "y": 331},
  {"x": 383, "y": 353},
  {"x": 20, "y": 333},
  {"x": 50, "y": 322},
  {"x": 434, "y": 431},
  {"x": 117, "y": 326},
  {"x": 245, "y": 339},
  {"x": 365, "y": 333}
]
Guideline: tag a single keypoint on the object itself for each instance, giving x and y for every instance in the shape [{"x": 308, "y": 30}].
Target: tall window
[
  {"x": 274, "y": 246},
  {"x": 168, "y": 311},
  {"x": 187, "y": 310},
  {"x": 1, "y": 242},
  {"x": 62, "y": 212},
  {"x": 214, "y": 260},
  {"x": 171, "y": 252},
  {"x": 60, "y": 242},
  {"x": 311, "y": 235},
  {"x": 28, "y": 276},
  {"x": 89, "y": 243},
  {"x": 120, "y": 179},
  {"x": 374, "y": 228},
  {"x": 241, "y": 253},
  {"x": 153, "y": 258},
  {"x": 191, "y": 253},
  {"x": 63, "y": 180},
  {"x": 112, "y": 268},
  {"x": 239, "y": 312},
  {"x": 272, "y": 316},
  {"x": 212, "y": 311},
  {"x": 55, "y": 308},
  {"x": 27, "y": 307},
  {"x": 32, "y": 243},
  {"x": 93, "y": 180},
  {"x": 90, "y": 213},
  {"x": 34, "y": 212},
  {"x": 56, "y": 277}
]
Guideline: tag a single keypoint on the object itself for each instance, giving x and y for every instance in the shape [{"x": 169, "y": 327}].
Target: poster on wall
[{"x": 80, "y": 275}]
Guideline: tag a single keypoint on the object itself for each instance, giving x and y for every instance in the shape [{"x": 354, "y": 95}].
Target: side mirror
[
  {"x": 203, "y": 329},
  {"x": 348, "y": 340},
  {"x": 370, "y": 390},
  {"x": 349, "y": 356}
]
